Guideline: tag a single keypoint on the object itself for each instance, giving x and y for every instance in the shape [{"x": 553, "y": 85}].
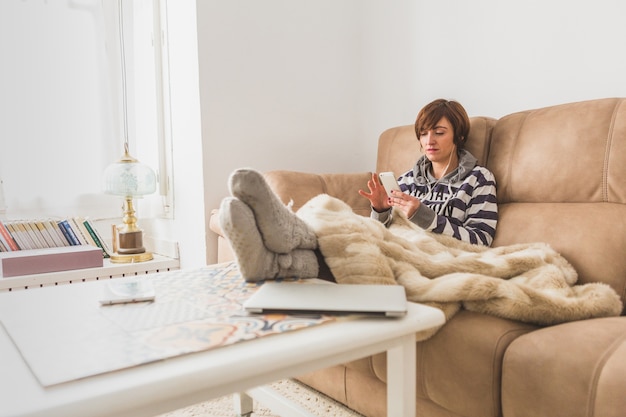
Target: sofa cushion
[
  {"x": 575, "y": 369},
  {"x": 571, "y": 153},
  {"x": 560, "y": 173},
  {"x": 589, "y": 236}
]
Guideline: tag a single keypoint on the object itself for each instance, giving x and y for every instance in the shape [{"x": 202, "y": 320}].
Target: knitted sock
[
  {"x": 281, "y": 229},
  {"x": 255, "y": 261}
]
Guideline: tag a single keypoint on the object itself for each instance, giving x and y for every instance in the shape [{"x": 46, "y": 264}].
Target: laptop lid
[{"x": 327, "y": 298}]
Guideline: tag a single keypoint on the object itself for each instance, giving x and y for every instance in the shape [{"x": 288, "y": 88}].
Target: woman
[{"x": 445, "y": 193}]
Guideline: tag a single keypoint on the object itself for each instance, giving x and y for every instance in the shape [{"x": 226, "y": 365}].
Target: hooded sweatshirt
[{"x": 461, "y": 204}]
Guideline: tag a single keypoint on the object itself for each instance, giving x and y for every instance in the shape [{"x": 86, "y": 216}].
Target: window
[{"x": 60, "y": 119}]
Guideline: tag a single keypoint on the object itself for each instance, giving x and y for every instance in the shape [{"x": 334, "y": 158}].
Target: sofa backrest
[
  {"x": 296, "y": 188},
  {"x": 561, "y": 176}
]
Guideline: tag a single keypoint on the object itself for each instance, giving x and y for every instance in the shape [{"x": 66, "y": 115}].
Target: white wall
[{"x": 498, "y": 57}]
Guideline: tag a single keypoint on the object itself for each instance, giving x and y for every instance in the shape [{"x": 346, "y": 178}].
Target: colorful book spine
[
  {"x": 84, "y": 240},
  {"x": 16, "y": 235},
  {"x": 28, "y": 242},
  {"x": 34, "y": 235},
  {"x": 3, "y": 240},
  {"x": 7, "y": 238},
  {"x": 55, "y": 233},
  {"x": 94, "y": 235},
  {"x": 106, "y": 247},
  {"x": 68, "y": 233},
  {"x": 45, "y": 234}
]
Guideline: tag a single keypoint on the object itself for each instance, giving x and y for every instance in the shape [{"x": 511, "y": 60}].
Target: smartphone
[
  {"x": 123, "y": 291},
  {"x": 388, "y": 180}
]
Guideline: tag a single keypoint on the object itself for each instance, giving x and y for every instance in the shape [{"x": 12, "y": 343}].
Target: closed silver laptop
[{"x": 328, "y": 298}]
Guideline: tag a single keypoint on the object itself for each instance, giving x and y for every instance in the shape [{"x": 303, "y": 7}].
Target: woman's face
[{"x": 438, "y": 143}]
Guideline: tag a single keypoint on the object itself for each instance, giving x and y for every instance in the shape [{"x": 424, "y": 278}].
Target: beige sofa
[{"x": 561, "y": 174}]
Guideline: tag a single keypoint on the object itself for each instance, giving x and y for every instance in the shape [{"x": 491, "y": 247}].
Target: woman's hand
[
  {"x": 380, "y": 201},
  {"x": 377, "y": 196},
  {"x": 406, "y": 203}
]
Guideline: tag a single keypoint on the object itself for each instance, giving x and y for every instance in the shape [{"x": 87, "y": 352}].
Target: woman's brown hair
[{"x": 431, "y": 113}]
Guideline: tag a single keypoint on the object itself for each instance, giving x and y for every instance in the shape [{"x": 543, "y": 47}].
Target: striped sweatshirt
[{"x": 462, "y": 204}]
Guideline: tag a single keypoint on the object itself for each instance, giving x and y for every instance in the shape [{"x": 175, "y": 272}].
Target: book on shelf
[
  {"x": 7, "y": 239},
  {"x": 63, "y": 231},
  {"x": 13, "y": 235},
  {"x": 99, "y": 241},
  {"x": 45, "y": 233},
  {"x": 38, "y": 241},
  {"x": 56, "y": 233},
  {"x": 30, "y": 235},
  {"x": 68, "y": 232},
  {"x": 82, "y": 233},
  {"x": 20, "y": 235}
]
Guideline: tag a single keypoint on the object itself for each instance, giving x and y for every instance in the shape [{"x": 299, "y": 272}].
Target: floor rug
[{"x": 306, "y": 397}]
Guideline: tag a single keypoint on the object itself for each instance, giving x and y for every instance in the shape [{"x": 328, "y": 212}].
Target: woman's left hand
[{"x": 404, "y": 202}]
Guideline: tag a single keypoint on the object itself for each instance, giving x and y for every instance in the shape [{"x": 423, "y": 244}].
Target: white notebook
[{"x": 328, "y": 298}]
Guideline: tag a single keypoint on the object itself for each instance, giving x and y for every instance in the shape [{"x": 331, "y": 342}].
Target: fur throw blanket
[{"x": 526, "y": 282}]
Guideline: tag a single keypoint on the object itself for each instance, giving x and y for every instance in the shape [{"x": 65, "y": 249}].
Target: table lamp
[{"x": 129, "y": 178}]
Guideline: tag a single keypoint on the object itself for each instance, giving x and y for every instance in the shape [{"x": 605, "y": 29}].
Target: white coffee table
[{"x": 245, "y": 367}]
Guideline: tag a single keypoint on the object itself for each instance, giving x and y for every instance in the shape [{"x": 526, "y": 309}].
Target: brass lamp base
[
  {"x": 128, "y": 241},
  {"x": 117, "y": 258}
]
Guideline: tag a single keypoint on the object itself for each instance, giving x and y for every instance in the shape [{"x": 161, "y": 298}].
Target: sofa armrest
[{"x": 296, "y": 188}]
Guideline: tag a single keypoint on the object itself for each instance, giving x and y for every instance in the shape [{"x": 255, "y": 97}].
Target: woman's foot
[
  {"x": 281, "y": 230},
  {"x": 255, "y": 261}
]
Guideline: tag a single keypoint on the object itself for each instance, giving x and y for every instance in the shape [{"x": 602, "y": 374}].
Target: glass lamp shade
[{"x": 129, "y": 178}]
